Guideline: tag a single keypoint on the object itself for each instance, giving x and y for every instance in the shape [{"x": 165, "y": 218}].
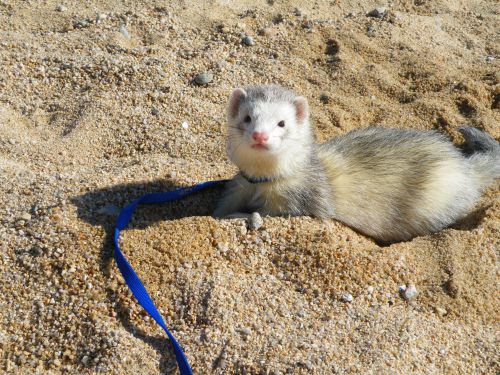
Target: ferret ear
[
  {"x": 234, "y": 101},
  {"x": 301, "y": 108}
]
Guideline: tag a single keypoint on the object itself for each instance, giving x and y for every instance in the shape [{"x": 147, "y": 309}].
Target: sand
[{"x": 92, "y": 102}]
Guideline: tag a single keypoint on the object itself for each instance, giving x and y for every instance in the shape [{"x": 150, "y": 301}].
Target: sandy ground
[{"x": 92, "y": 101}]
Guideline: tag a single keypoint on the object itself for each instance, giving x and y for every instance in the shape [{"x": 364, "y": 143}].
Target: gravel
[
  {"x": 81, "y": 24},
  {"x": 248, "y": 40},
  {"x": 255, "y": 221},
  {"x": 346, "y": 297},
  {"x": 408, "y": 292},
  {"x": 203, "y": 78},
  {"x": 378, "y": 12}
]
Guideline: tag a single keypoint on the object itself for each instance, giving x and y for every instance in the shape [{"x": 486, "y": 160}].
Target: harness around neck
[{"x": 258, "y": 180}]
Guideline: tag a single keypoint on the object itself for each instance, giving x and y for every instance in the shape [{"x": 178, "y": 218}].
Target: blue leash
[{"x": 131, "y": 278}]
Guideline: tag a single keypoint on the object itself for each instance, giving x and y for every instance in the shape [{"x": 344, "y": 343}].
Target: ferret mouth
[{"x": 259, "y": 146}]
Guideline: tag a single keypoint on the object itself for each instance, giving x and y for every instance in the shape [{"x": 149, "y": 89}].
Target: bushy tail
[{"x": 484, "y": 154}]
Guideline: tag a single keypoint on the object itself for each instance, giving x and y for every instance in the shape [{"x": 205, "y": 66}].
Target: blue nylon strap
[{"x": 131, "y": 278}]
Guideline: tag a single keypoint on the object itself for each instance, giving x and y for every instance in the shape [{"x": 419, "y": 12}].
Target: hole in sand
[{"x": 465, "y": 108}]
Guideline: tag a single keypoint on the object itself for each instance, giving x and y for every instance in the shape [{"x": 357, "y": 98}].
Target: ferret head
[{"x": 268, "y": 130}]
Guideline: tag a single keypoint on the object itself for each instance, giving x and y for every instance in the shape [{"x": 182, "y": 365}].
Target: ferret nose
[{"x": 260, "y": 136}]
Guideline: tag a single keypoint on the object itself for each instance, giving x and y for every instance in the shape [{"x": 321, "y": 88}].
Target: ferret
[{"x": 389, "y": 184}]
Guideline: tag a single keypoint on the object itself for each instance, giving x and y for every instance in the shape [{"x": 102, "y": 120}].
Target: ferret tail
[{"x": 483, "y": 153}]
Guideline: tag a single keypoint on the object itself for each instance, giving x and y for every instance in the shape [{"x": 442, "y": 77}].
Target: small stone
[
  {"x": 378, "y": 12},
  {"x": 269, "y": 32},
  {"x": 109, "y": 210},
  {"x": 370, "y": 289},
  {"x": 298, "y": 12},
  {"x": 81, "y": 24},
  {"x": 155, "y": 111},
  {"x": 101, "y": 17},
  {"x": 308, "y": 25},
  {"x": 441, "y": 311},
  {"x": 204, "y": 78},
  {"x": 185, "y": 125},
  {"x": 85, "y": 360},
  {"x": 222, "y": 248},
  {"x": 308, "y": 365},
  {"x": 61, "y": 8},
  {"x": 248, "y": 40},
  {"x": 346, "y": 297},
  {"x": 25, "y": 216},
  {"x": 124, "y": 32},
  {"x": 246, "y": 331},
  {"x": 410, "y": 292},
  {"x": 490, "y": 58},
  {"x": 243, "y": 230},
  {"x": 255, "y": 221}
]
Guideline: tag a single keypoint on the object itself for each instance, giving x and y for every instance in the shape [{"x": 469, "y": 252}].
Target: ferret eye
[
  {"x": 247, "y": 119},
  {"x": 281, "y": 124}
]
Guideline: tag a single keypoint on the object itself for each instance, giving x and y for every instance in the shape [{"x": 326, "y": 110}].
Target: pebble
[
  {"x": 248, "y": 40},
  {"x": 25, "y": 216},
  {"x": 123, "y": 30},
  {"x": 101, "y": 17},
  {"x": 61, "y": 8},
  {"x": 346, "y": 297},
  {"x": 246, "y": 331},
  {"x": 490, "y": 58},
  {"x": 109, "y": 210},
  {"x": 441, "y": 311},
  {"x": 255, "y": 221},
  {"x": 308, "y": 25},
  {"x": 185, "y": 125},
  {"x": 222, "y": 248},
  {"x": 155, "y": 111},
  {"x": 378, "y": 12},
  {"x": 204, "y": 78},
  {"x": 298, "y": 12},
  {"x": 269, "y": 32},
  {"x": 306, "y": 364},
  {"x": 243, "y": 230},
  {"x": 371, "y": 29},
  {"x": 81, "y": 24},
  {"x": 409, "y": 292},
  {"x": 370, "y": 289}
]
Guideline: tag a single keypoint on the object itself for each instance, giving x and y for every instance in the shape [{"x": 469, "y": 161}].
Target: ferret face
[{"x": 265, "y": 127}]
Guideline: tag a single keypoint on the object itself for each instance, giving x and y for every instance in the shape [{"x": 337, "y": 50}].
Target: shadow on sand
[{"x": 101, "y": 207}]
